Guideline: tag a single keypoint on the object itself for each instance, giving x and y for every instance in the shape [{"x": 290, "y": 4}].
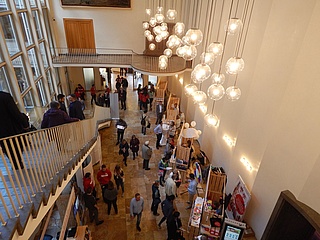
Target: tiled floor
[{"x": 136, "y": 180}]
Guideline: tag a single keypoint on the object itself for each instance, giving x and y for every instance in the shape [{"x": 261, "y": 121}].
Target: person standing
[
  {"x": 155, "y": 198},
  {"x": 136, "y": 209},
  {"x": 118, "y": 175},
  {"x": 75, "y": 107},
  {"x": 110, "y": 194},
  {"x": 123, "y": 98},
  {"x": 152, "y": 93},
  {"x": 192, "y": 189},
  {"x": 107, "y": 96},
  {"x": 167, "y": 209},
  {"x": 88, "y": 183},
  {"x": 174, "y": 227},
  {"x": 159, "y": 111},
  {"x": 124, "y": 151},
  {"x": 134, "y": 146},
  {"x": 146, "y": 155},
  {"x": 163, "y": 164},
  {"x": 81, "y": 91},
  {"x": 91, "y": 204},
  {"x": 124, "y": 83},
  {"x": 104, "y": 176},
  {"x": 12, "y": 122},
  {"x": 170, "y": 186},
  {"x": 54, "y": 116},
  {"x": 144, "y": 98},
  {"x": 93, "y": 94},
  {"x": 144, "y": 122},
  {"x": 61, "y": 99},
  {"x": 121, "y": 126},
  {"x": 158, "y": 131}
]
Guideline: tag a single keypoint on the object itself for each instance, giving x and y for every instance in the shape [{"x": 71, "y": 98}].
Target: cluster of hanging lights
[{"x": 234, "y": 26}]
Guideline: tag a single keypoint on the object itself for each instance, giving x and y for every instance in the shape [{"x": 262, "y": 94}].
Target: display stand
[{"x": 195, "y": 217}]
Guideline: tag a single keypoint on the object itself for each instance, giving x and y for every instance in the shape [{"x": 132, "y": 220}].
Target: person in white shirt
[{"x": 170, "y": 186}]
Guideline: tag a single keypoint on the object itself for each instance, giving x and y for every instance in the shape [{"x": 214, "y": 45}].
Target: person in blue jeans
[{"x": 136, "y": 209}]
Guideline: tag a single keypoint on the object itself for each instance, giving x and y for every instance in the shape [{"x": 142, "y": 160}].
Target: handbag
[
  {"x": 149, "y": 125},
  {"x": 120, "y": 151}
]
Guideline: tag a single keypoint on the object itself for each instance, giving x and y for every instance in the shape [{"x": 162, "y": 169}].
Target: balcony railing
[
  {"x": 116, "y": 57},
  {"x": 34, "y": 165}
]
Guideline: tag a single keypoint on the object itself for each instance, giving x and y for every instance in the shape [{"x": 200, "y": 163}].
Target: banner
[{"x": 238, "y": 202}]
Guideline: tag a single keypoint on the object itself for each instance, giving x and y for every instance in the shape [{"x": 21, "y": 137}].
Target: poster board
[{"x": 239, "y": 201}]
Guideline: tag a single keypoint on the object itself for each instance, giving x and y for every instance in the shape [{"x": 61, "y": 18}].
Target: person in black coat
[
  {"x": 123, "y": 98},
  {"x": 124, "y": 150},
  {"x": 91, "y": 204},
  {"x": 121, "y": 126},
  {"x": 75, "y": 107},
  {"x": 155, "y": 198},
  {"x": 61, "y": 102},
  {"x": 173, "y": 226},
  {"x": 12, "y": 122}
]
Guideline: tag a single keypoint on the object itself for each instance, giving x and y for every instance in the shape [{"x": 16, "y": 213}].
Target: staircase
[{"x": 49, "y": 159}]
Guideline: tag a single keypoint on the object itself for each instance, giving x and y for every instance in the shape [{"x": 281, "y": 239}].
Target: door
[{"x": 79, "y": 35}]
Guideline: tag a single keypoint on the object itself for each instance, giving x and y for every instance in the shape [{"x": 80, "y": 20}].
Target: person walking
[
  {"x": 104, "y": 176},
  {"x": 134, "y": 146},
  {"x": 121, "y": 126},
  {"x": 55, "y": 116},
  {"x": 155, "y": 198},
  {"x": 110, "y": 194},
  {"x": 146, "y": 155},
  {"x": 136, "y": 209},
  {"x": 174, "y": 227},
  {"x": 118, "y": 175},
  {"x": 123, "y": 98},
  {"x": 158, "y": 131},
  {"x": 124, "y": 150},
  {"x": 93, "y": 94},
  {"x": 91, "y": 204},
  {"x": 75, "y": 107},
  {"x": 159, "y": 111},
  {"x": 192, "y": 189},
  {"x": 144, "y": 122},
  {"x": 167, "y": 209},
  {"x": 152, "y": 93},
  {"x": 163, "y": 164}
]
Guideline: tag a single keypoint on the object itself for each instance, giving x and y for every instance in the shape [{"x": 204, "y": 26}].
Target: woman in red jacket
[{"x": 88, "y": 183}]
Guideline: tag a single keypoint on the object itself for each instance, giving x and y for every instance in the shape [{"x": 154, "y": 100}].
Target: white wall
[{"x": 113, "y": 27}]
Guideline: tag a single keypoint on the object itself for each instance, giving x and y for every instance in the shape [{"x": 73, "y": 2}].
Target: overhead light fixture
[
  {"x": 246, "y": 163},
  {"x": 231, "y": 142}
]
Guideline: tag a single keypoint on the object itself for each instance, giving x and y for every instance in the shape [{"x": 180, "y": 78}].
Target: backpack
[{"x": 143, "y": 121}]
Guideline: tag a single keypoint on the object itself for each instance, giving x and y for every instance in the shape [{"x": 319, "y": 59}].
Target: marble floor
[{"x": 120, "y": 226}]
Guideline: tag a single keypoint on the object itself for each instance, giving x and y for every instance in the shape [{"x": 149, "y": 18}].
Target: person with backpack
[
  {"x": 134, "y": 146},
  {"x": 144, "y": 122},
  {"x": 167, "y": 209}
]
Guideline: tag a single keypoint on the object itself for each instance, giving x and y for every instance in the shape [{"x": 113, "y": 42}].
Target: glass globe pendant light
[
  {"x": 199, "y": 97},
  {"x": 207, "y": 58},
  {"x": 216, "y": 91},
  {"x": 211, "y": 120},
  {"x": 233, "y": 26},
  {"x": 159, "y": 18},
  {"x": 148, "y": 11},
  {"x": 152, "y": 22},
  {"x": 158, "y": 38},
  {"x": 167, "y": 52},
  {"x": 234, "y": 65},
  {"x": 163, "y": 65},
  {"x": 200, "y": 73},
  {"x": 194, "y": 36},
  {"x": 218, "y": 78},
  {"x": 216, "y": 48},
  {"x": 233, "y": 93},
  {"x": 190, "y": 89},
  {"x": 150, "y": 37},
  {"x": 181, "y": 51},
  {"x": 145, "y": 25},
  {"x": 203, "y": 108},
  {"x": 190, "y": 53},
  {"x": 179, "y": 28},
  {"x": 147, "y": 33},
  {"x": 152, "y": 46},
  {"x": 171, "y": 14}
]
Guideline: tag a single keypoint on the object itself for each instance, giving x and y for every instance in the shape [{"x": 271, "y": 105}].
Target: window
[
  {"x": 27, "y": 100},
  {"x": 34, "y": 63},
  {"x": 25, "y": 28},
  {"x": 49, "y": 78},
  {"x": 4, "y": 81},
  {"x": 41, "y": 93},
  {"x": 9, "y": 34},
  {"x": 4, "y": 6},
  {"x": 44, "y": 55},
  {"x": 20, "y": 4},
  {"x": 37, "y": 24},
  {"x": 47, "y": 25},
  {"x": 43, "y": 3},
  {"x": 19, "y": 70},
  {"x": 33, "y": 3}
]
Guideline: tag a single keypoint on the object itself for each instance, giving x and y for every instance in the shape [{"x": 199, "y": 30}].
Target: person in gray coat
[{"x": 146, "y": 155}]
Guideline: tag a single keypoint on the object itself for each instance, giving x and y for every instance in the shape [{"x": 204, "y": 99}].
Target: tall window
[
  {"x": 25, "y": 28},
  {"x": 44, "y": 55},
  {"x": 49, "y": 78},
  {"x": 34, "y": 63},
  {"x": 28, "y": 101},
  {"x": 20, "y": 4},
  {"x": 4, "y": 6},
  {"x": 37, "y": 23},
  {"x": 9, "y": 34},
  {"x": 19, "y": 69},
  {"x": 41, "y": 93},
  {"x": 4, "y": 81}
]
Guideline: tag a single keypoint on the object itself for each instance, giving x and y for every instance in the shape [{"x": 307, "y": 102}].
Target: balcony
[
  {"x": 117, "y": 57},
  {"x": 49, "y": 159}
]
